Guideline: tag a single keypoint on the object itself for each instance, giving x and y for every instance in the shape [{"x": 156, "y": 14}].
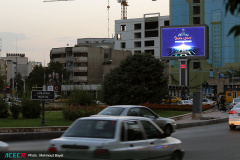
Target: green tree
[
  {"x": 138, "y": 79},
  {"x": 18, "y": 84},
  {"x": 233, "y": 6},
  {"x": 36, "y": 77},
  {"x": 3, "y": 80}
]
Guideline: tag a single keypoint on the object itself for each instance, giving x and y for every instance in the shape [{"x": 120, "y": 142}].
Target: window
[
  {"x": 196, "y": 65},
  {"x": 196, "y": 1},
  {"x": 80, "y": 64},
  {"x": 149, "y": 43},
  {"x": 123, "y": 45},
  {"x": 150, "y": 51},
  {"x": 123, "y": 27},
  {"x": 134, "y": 131},
  {"x": 137, "y": 35},
  {"x": 134, "y": 112},
  {"x": 166, "y": 23},
  {"x": 137, "y": 26},
  {"x": 80, "y": 54},
  {"x": 119, "y": 36},
  {"x": 138, "y": 51},
  {"x": 151, "y": 131},
  {"x": 151, "y": 25},
  {"x": 137, "y": 44},
  {"x": 196, "y": 10},
  {"x": 80, "y": 73},
  {"x": 196, "y": 20},
  {"x": 147, "y": 113},
  {"x": 229, "y": 94},
  {"x": 151, "y": 34}
]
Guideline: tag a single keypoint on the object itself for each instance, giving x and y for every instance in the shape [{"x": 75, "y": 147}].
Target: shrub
[
  {"x": 3, "y": 110},
  {"x": 15, "y": 110},
  {"x": 30, "y": 109},
  {"x": 80, "y": 96},
  {"x": 72, "y": 112}
]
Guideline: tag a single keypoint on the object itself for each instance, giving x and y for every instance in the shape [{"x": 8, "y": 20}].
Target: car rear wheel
[
  {"x": 167, "y": 130},
  {"x": 176, "y": 156},
  {"x": 232, "y": 127}
]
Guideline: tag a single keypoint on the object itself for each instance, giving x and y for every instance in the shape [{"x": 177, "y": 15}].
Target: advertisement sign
[
  {"x": 53, "y": 80},
  {"x": 43, "y": 95},
  {"x": 184, "y": 42}
]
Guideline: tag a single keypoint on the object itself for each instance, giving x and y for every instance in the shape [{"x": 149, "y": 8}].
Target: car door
[
  {"x": 159, "y": 146},
  {"x": 132, "y": 137}
]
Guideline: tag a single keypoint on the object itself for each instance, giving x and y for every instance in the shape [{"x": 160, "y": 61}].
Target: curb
[{"x": 202, "y": 123}]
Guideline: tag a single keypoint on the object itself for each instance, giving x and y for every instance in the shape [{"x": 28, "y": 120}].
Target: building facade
[
  {"x": 87, "y": 65},
  {"x": 224, "y": 49},
  {"x": 140, "y": 34}
]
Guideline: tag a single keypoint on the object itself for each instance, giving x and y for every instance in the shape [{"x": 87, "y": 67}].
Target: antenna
[{"x": 108, "y": 7}]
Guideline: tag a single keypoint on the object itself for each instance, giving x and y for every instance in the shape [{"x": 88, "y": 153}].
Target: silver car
[
  {"x": 166, "y": 124},
  {"x": 234, "y": 102},
  {"x": 234, "y": 116},
  {"x": 116, "y": 138}
]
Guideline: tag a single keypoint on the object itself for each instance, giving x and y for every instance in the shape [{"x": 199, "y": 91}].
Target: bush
[
  {"x": 15, "y": 110},
  {"x": 72, "y": 112},
  {"x": 3, "y": 110},
  {"x": 31, "y": 109},
  {"x": 80, "y": 96}
]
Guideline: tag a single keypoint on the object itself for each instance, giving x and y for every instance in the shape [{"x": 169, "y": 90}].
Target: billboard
[
  {"x": 184, "y": 42},
  {"x": 53, "y": 81}
]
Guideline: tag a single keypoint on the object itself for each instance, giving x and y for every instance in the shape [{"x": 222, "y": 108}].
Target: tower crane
[{"x": 124, "y": 5}]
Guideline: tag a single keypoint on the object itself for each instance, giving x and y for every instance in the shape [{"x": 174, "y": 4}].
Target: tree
[
  {"x": 138, "y": 79},
  {"x": 233, "y": 6},
  {"x": 3, "y": 80},
  {"x": 18, "y": 84},
  {"x": 36, "y": 77}
]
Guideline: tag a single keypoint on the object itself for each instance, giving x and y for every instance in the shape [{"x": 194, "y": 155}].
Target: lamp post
[
  {"x": 232, "y": 71},
  {"x": 201, "y": 79},
  {"x": 218, "y": 76}
]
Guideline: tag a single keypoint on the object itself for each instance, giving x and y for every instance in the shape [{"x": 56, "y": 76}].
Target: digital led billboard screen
[{"x": 184, "y": 42}]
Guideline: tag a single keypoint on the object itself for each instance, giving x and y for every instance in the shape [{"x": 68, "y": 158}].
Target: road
[{"x": 210, "y": 142}]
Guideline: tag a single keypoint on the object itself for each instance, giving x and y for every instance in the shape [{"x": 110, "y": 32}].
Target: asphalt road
[{"x": 210, "y": 142}]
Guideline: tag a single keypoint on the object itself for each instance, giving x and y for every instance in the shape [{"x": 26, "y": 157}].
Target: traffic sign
[{"x": 43, "y": 95}]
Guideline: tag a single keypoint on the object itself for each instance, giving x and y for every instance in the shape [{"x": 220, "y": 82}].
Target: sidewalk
[{"x": 212, "y": 116}]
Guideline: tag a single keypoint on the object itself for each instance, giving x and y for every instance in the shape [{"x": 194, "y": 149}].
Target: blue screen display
[{"x": 183, "y": 42}]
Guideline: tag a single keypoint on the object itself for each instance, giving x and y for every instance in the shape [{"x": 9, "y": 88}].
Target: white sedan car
[
  {"x": 234, "y": 116},
  {"x": 116, "y": 138},
  {"x": 208, "y": 102}
]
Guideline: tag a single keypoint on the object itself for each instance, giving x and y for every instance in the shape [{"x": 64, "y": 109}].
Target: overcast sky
[{"x": 35, "y": 27}]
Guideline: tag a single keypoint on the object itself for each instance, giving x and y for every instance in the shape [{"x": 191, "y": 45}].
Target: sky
[{"x": 34, "y": 27}]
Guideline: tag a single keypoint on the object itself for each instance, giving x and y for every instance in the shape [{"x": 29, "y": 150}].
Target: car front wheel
[
  {"x": 232, "y": 127},
  {"x": 176, "y": 156},
  {"x": 167, "y": 130}
]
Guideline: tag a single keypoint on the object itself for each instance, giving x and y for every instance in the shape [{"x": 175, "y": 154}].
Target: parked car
[
  {"x": 185, "y": 102},
  {"x": 166, "y": 124},
  {"x": 234, "y": 102},
  {"x": 208, "y": 102},
  {"x": 111, "y": 137},
  {"x": 234, "y": 116},
  {"x": 174, "y": 99}
]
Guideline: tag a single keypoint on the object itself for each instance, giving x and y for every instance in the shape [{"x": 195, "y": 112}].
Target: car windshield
[
  {"x": 115, "y": 111},
  {"x": 237, "y": 100},
  {"x": 92, "y": 129}
]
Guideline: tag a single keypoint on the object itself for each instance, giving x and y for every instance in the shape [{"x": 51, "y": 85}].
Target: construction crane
[{"x": 124, "y": 5}]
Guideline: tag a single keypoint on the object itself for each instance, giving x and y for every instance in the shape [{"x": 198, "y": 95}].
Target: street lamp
[
  {"x": 218, "y": 76},
  {"x": 232, "y": 72},
  {"x": 201, "y": 79}
]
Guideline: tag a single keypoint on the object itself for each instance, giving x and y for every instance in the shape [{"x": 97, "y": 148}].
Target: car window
[
  {"x": 237, "y": 105},
  {"x": 92, "y": 129},
  {"x": 237, "y": 100},
  {"x": 151, "y": 131},
  {"x": 115, "y": 111},
  {"x": 147, "y": 113},
  {"x": 134, "y": 112},
  {"x": 134, "y": 131},
  {"x": 174, "y": 98},
  {"x": 205, "y": 100}
]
